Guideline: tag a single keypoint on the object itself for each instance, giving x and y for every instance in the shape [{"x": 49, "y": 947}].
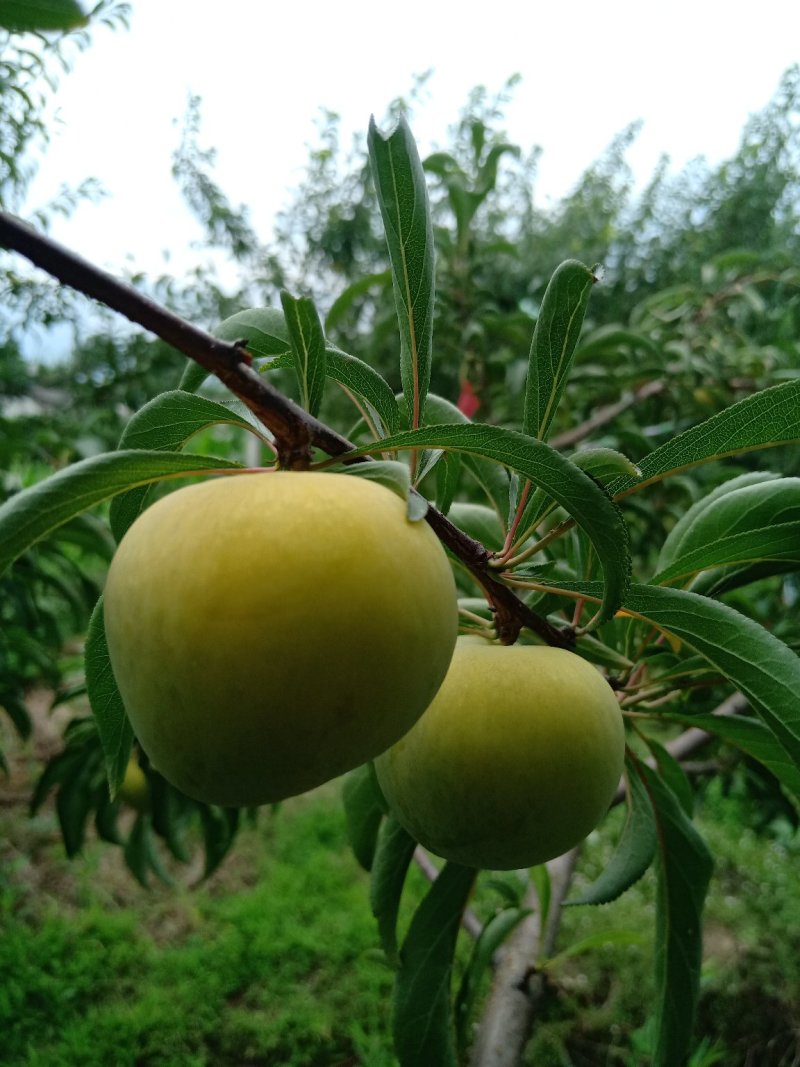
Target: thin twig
[{"x": 603, "y": 416}]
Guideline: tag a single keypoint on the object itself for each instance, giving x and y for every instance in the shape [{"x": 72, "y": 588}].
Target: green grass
[{"x": 275, "y": 960}]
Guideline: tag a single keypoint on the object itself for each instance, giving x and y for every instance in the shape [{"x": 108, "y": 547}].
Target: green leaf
[
  {"x": 391, "y": 473},
  {"x": 266, "y": 334},
  {"x": 113, "y": 725},
  {"x": 403, "y": 199},
  {"x": 751, "y": 737},
  {"x": 359, "y": 378},
  {"x": 165, "y": 424},
  {"x": 308, "y": 347},
  {"x": 448, "y": 476},
  {"x": 422, "y": 1024},
  {"x": 760, "y": 666},
  {"x": 363, "y": 808},
  {"x": 137, "y": 850},
  {"x": 779, "y": 545},
  {"x": 674, "y": 539},
  {"x": 33, "y": 513},
  {"x": 389, "y": 869},
  {"x": 193, "y": 377},
  {"x": 763, "y": 420},
  {"x": 480, "y": 522},
  {"x": 263, "y": 330},
  {"x": 635, "y": 850},
  {"x": 492, "y": 478},
  {"x": 604, "y": 464},
  {"x": 752, "y": 527},
  {"x": 684, "y": 872},
  {"x": 553, "y": 346},
  {"x": 673, "y": 775},
  {"x": 588, "y": 504},
  {"x": 491, "y": 937},
  {"x": 41, "y": 15},
  {"x": 342, "y": 304},
  {"x": 219, "y": 830}
]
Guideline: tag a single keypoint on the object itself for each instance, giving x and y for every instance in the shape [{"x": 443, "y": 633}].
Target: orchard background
[{"x": 180, "y": 933}]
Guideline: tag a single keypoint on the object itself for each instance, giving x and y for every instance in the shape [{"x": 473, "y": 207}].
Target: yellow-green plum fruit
[
  {"x": 515, "y": 761},
  {"x": 271, "y": 631},
  {"x": 135, "y": 789}
]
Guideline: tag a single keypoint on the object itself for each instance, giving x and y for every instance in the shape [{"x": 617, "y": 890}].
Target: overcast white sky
[{"x": 693, "y": 71}]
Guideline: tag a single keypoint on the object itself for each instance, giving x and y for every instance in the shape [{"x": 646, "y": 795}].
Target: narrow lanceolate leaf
[
  {"x": 763, "y": 420},
  {"x": 193, "y": 377},
  {"x": 165, "y": 424},
  {"x": 492, "y": 478},
  {"x": 389, "y": 869},
  {"x": 635, "y": 850},
  {"x": 308, "y": 347},
  {"x": 359, "y": 378},
  {"x": 403, "y": 199},
  {"x": 168, "y": 420},
  {"x": 674, "y": 542},
  {"x": 352, "y": 294},
  {"x": 36, "y": 15},
  {"x": 422, "y": 1023},
  {"x": 491, "y": 937},
  {"x": 266, "y": 334},
  {"x": 391, "y": 473},
  {"x": 777, "y": 544},
  {"x": 604, "y": 464},
  {"x": 684, "y": 872},
  {"x": 263, "y": 330},
  {"x": 116, "y": 735},
  {"x": 760, "y": 666},
  {"x": 553, "y": 346},
  {"x": 35, "y": 512},
  {"x": 577, "y": 493},
  {"x": 363, "y": 809},
  {"x": 750, "y": 736}
]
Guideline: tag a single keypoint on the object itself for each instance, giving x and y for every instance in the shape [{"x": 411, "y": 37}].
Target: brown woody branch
[{"x": 295, "y": 431}]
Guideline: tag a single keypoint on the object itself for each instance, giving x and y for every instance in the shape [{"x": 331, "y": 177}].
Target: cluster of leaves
[
  {"x": 164, "y": 818},
  {"x": 673, "y": 643}
]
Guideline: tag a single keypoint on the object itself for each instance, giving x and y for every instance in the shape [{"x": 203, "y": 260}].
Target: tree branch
[
  {"x": 295, "y": 431},
  {"x": 603, "y": 416}
]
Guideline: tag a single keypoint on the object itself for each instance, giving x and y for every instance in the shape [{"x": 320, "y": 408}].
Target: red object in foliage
[{"x": 468, "y": 401}]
